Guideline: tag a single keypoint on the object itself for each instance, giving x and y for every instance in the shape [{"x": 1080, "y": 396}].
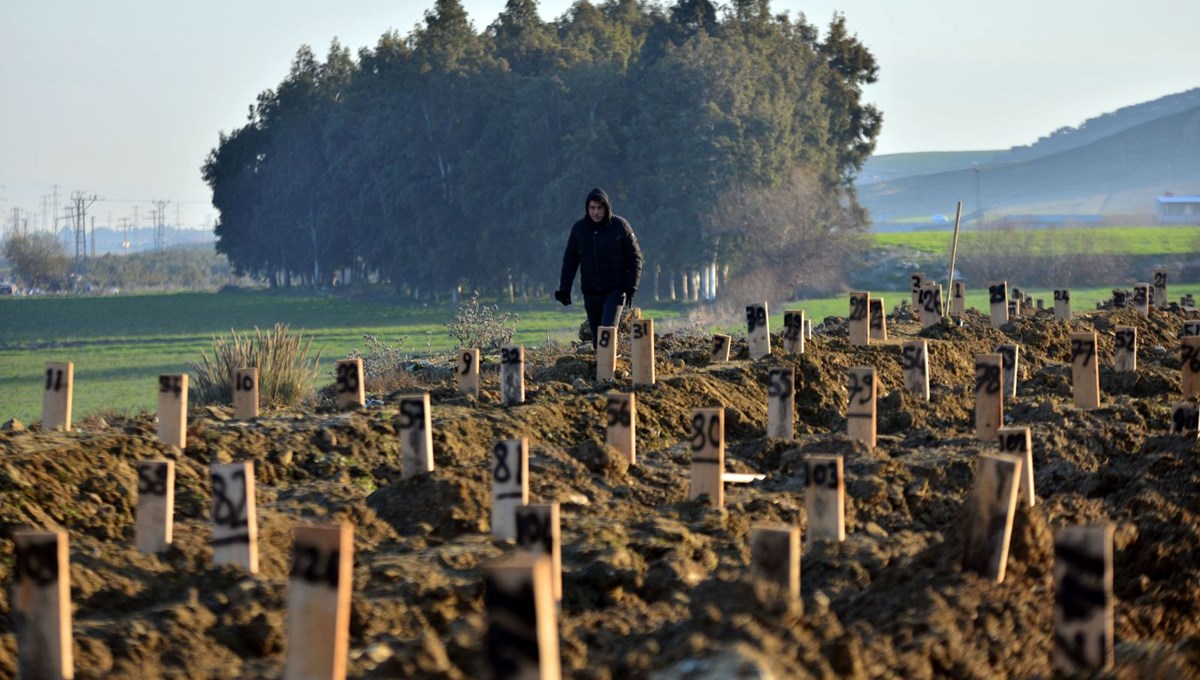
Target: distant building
[{"x": 1178, "y": 209}]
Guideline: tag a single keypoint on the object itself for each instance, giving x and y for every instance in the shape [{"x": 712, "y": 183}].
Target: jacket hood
[{"x": 600, "y": 197}]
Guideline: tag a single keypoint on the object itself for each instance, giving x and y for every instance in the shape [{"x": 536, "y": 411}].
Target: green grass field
[{"x": 1099, "y": 240}]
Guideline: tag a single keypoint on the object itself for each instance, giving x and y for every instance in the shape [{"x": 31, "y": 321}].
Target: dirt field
[{"x": 655, "y": 585}]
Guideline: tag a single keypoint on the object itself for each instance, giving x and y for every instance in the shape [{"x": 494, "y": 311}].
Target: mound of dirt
[{"x": 655, "y": 584}]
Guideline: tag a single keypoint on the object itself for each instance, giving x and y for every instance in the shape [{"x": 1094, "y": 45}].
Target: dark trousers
[{"x": 603, "y": 310}]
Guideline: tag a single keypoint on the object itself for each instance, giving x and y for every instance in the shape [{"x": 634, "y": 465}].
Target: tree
[{"x": 39, "y": 259}]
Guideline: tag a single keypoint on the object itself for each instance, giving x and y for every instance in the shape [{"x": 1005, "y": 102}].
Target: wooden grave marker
[
  {"x": 860, "y": 413},
  {"x": 155, "y": 520},
  {"x": 1185, "y": 419},
  {"x": 958, "y": 299},
  {"x": 641, "y": 333},
  {"x": 758, "y": 331},
  {"x": 917, "y": 280},
  {"x": 510, "y": 485},
  {"x": 58, "y": 395},
  {"x": 1014, "y": 310},
  {"x": 1011, "y": 358},
  {"x": 521, "y": 642},
  {"x": 1125, "y": 349},
  {"x": 1083, "y": 598},
  {"x": 1085, "y": 374},
  {"x": 781, "y": 402},
  {"x": 350, "y": 387},
  {"x": 1141, "y": 298},
  {"x": 172, "y": 409},
  {"x": 415, "y": 430},
  {"x": 1160, "y": 289},
  {"x": 1190, "y": 329},
  {"x": 824, "y": 498},
  {"x": 512, "y": 375},
  {"x": 989, "y": 396},
  {"x": 878, "y": 327},
  {"x": 467, "y": 372},
  {"x": 538, "y": 532},
  {"x": 860, "y": 319},
  {"x": 807, "y": 328},
  {"x": 318, "y": 602},
  {"x": 234, "y": 516},
  {"x": 914, "y": 362},
  {"x": 1018, "y": 441},
  {"x": 245, "y": 393},
  {"x": 1120, "y": 298},
  {"x": 708, "y": 455},
  {"x": 1189, "y": 367},
  {"x": 720, "y": 348},
  {"x": 775, "y": 557},
  {"x": 931, "y": 304},
  {"x": 793, "y": 332},
  {"x": 606, "y": 352},
  {"x": 1062, "y": 304},
  {"x": 620, "y": 432},
  {"x": 998, "y": 300},
  {"x": 991, "y": 507},
  {"x": 41, "y": 605}
]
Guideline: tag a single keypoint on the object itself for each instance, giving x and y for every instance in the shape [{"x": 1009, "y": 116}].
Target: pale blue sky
[{"x": 124, "y": 98}]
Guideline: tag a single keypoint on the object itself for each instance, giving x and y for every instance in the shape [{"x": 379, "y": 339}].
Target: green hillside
[{"x": 893, "y": 166}]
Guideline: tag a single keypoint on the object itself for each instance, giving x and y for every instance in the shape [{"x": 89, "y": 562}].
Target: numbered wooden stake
[
  {"x": 510, "y": 485},
  {"x": 917, "y": 280},
  {"x": 1160, "y": 289},
  {"x": 1125, "y": 349},
  {"x": 989, "y": 396},
  {"x": 1018, "y": 441},
  {"x": 235, "y": 520},
  {"x": 878, "y": 320},
  {"x": 245, "y": 393},
  {"x": 793, "y": 332},
  {"x": 860, "y": 414},
  {"x": 1085, "y": 374},
  {"x": 990, "y": 510},
  {"x": 807, "y": 329},
  {"x": 1185, "y": 419},
  {"x": 824, "y": 498},
  {"x": 1141, "y": 298},
  {"x": 522, "y": 630},
  {"x": 606, "y": 352},
  {"x": 720, "y": 348},
  {"x": 512, "y": 375},
  {"x": 318, "y": 602},
  {"x": 931, "y": 304},
  {"x": 860, "y": 319},
  {"x": 1120, "y": 298},
  {"x": 958, "y": 299},
  {"x": 641, "y": 333},
  {"x": 1189, "y": 367},
  {"x": 914, "y": 362},
  {"x": 708, "y": 455},
  {"x": 155, "y": 505},
  {"x": 1083, "y": 598},
  {"x": 172, "y": 409},
  {"x": 758, "y": 331},
  {"x": 1011, "y": 358},
  {"x": 57, "y": 395},
  {"x": 538, "y": 533},
  {"x": 621, "y": 417},
  {"x": 41, "y": 604},
  {"x": 998, "y": 299},
  {"x": 416, "y": 435},
  {"x": 775, "y": 557},
  {"x": 1062, "y": 305},
  {"x": 1014, "y": 310},
  {"x": 351, "y": 392},
  {"x": 1190, "y": 329},
  {"x": 781, "y": 402},
  {"x": 467, "y": 372}
]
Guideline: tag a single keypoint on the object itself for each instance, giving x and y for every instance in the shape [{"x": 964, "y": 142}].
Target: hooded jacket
[{"x": 606, "y": 253}]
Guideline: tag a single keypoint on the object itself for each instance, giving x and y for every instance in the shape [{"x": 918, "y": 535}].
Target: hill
[{"x": 894, "y": 166}]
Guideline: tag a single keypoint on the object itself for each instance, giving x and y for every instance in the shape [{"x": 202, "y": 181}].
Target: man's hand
[{"x": 563, "y": 296}]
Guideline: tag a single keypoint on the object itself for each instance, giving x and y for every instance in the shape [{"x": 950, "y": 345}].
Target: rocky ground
[{"x": 655, "y": 585}]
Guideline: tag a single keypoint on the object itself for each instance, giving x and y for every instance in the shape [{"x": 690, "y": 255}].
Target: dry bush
[{"x": 285, "y": 371}]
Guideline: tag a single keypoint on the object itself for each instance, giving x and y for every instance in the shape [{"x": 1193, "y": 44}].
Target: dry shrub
[{"x": 285, "y": 372}]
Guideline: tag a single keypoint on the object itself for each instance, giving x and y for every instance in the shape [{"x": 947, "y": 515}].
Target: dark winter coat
[{"x": 606, "y": 253}]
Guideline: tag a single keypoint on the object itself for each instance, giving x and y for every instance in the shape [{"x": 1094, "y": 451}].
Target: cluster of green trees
[{"x": 451, "y": 157}]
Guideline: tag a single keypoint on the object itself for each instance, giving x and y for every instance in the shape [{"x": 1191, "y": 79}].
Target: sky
[{"x": 123, "y": 99}]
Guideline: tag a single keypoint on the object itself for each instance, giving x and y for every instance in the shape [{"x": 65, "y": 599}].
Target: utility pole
[
  {"x": 93, "y": 236},
  {"x": 160, "y": 236},
  {"x": 125, "y": 235},
  {"x": 82, "y": 203}
]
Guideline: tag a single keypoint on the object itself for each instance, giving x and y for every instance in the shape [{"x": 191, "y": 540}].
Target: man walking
[{"x": 603, "y": 248}]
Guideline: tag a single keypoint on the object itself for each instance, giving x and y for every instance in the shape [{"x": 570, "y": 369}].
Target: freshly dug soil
[{"x": 655, "y": 585}]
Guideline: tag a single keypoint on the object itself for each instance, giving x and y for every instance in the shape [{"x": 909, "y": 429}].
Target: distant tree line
[{"x": 450, "y": 158}]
